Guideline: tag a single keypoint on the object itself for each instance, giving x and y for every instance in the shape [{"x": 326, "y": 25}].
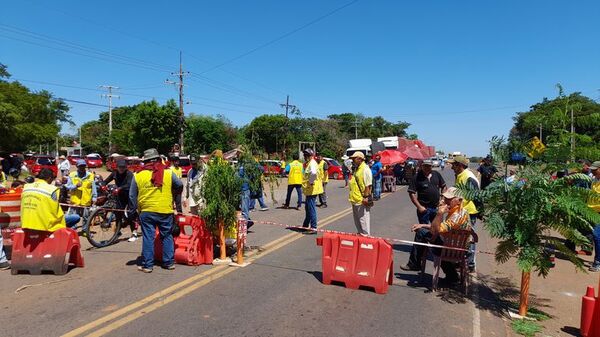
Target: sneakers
[
  {"x": 595, "y": 268},
  {"x": 145, "y": 270},
  {"x": 133, "y": 237},
  {"x": 264, "y": 209},
  {"x": 169, "y": 267},
  {"x": 409, "y": 267},
  {"x": 4, "y": 265}
]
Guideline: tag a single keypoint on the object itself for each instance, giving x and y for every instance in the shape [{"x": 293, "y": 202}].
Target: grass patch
[
  {"x": 532, "y": 313},
  {"x": 526, "y": 327}
]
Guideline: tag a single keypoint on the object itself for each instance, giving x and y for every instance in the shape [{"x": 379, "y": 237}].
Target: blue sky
[{"x": 458, "y": 71}]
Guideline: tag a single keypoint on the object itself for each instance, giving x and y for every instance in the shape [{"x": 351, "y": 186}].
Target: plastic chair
[{"x": 453, "y": 239}]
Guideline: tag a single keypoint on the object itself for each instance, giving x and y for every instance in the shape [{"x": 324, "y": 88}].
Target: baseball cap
[
  {"x": 358, "y": 154},
  {"x": 595, "y": 165},
  {"x": 451, "y": 193},
  {"x": 81, "y": 162},
  {"x": 61, "y": 157},
  {"x": 427, "y": 162},
  {"x": 459, "y": 159}
]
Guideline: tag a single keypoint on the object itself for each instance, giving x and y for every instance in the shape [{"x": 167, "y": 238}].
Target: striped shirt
[{"x": 457, "y": 219}]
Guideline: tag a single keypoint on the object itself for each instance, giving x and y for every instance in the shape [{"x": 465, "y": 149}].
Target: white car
[{"x": 435, "y": 162}]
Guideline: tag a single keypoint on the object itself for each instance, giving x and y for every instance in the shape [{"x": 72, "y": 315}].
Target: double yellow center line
[{"x": 148, "y": 304}]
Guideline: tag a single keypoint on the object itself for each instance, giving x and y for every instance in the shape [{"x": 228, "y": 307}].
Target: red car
[
  {"x": 272, "y": 167},
  {"x": 93, "y": 160},
  {"x": 335, "y": 169},
  {"x": 73, "y": 159},
  {"x": 41, "y": 162}
]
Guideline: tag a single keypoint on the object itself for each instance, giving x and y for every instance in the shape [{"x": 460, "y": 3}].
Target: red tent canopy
[
  {"x": 391, "y": 157},
  {"x": 414, "y": 153}
]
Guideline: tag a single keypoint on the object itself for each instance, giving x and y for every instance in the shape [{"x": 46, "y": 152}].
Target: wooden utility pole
[
  {"x": 179, "y": 84},
  {"x": 572, "y": 137},
  {"x": 109, "y": 96}
]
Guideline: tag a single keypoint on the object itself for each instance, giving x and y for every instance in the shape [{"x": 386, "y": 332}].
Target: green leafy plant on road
[
  {"x": 221, "y": 190},
  {"x": 524, "y": 214}
]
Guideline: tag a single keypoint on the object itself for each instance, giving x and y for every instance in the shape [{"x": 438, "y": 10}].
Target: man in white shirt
[{"x": 64, "y": 167}]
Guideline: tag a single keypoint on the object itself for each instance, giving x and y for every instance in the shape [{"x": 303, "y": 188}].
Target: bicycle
[{"x": 103, "y": 226}]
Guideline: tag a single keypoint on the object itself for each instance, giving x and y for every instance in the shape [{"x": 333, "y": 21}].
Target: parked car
[
  {"x": 272, "y": 167},
  {"x": 335, "y": 169},
  {"x": 73, "y": 159},
  {"x": 93, "y": 160},
  {"x": 41, "y": 162},
  {"x": 435, "y": 161}
]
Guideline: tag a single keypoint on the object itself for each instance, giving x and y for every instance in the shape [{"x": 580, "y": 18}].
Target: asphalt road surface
[{"x": 279, "y": 294}]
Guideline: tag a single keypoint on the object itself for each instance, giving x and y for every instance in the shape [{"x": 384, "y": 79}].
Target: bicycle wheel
[{"x": 103, "y": 227}]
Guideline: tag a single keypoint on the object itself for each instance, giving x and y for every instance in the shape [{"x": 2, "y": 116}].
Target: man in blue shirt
[{"x": 376, "y": 169}]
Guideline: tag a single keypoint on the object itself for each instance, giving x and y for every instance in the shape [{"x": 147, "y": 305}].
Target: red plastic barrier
[
  {"x": 357, "y": 261},
  {"x": 38, "y": 251},
  {"x": 10, "y": 217},
  {"x": 193, "y": 246},
  {"x": 587, "y": 311}
]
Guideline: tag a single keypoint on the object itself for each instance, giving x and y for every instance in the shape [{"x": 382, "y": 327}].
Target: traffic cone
[{"x": 588, "y": 302}]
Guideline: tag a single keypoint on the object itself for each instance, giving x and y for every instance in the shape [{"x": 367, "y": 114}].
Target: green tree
[
  {"x": 30, "y": 118},
  {"x": 205, "y": 134},
  {"x": 524, "y": 214}
]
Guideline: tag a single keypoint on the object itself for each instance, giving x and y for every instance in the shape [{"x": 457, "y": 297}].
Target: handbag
[{"x": 370, "y": 201}]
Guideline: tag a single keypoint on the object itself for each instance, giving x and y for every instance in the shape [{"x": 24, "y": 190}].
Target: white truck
[{"x": 363, "y": 145}]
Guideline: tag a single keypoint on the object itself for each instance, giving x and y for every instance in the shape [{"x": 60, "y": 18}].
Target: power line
[{"x": 281, "y": 37}]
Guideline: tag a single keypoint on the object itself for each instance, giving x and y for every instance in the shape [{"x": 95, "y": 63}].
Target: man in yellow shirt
[
  {"x": 465, "y": 177},
  {"x": 312, "y": 186},
  {"x": 594, "y": 203},
  {"x": 152, "y": 193},
  {"x": 324, "y": 172},
  {"x": 40, "y": 209},
  {"x": 294, "y": 171},
  {"x": 360, "y": 189},
  {"x": 179, "y": 174}
]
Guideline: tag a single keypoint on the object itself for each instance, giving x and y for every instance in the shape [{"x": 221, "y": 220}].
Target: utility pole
[
  {"x": 109, "y": 96},
  {"x": 541, "y": 133},
  {"x": 80, "y": 144},
  {"x": 356, "y": 127},
  {"x": 287, "y": 107},
  {"x": 179, "y": 76}
]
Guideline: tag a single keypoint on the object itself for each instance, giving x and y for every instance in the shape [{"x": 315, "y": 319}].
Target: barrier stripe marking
[{"x": 271, "y": 246}]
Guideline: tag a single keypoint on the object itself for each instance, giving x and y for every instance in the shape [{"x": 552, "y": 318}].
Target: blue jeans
[
  {"x": 596, "y": 236},
  {"x": 298, "y": 189},
  {"x": 310, "y": 208},
  {"x": 72, "y": 220},
  {"x": 245, "y": 204},
  {"x": 261, "y": 202},
  {"x": 427, "y": 216},
  {"x": 2, "y": 255},
  {"x": 377, "y": 188},
  {"x": 471, "y": 253},
  {"x": 323, "y": 196},
  {"x": 149, "y": 221}
]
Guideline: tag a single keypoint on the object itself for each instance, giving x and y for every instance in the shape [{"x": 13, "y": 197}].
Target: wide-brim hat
[
  {"x": 151, "y": 154},
  {"x": 459, "y": 159},
  {"x": 595, "y": 165}
]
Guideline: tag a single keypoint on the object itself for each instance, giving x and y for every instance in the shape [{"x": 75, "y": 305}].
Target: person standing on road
[
  {"x": 123, "y": 177},
  {"x": 594, "y": 203},
  {"x": 312, "y": 186},
  {"x": 64, "y": 167},
  {"x": 152, "y": 193},
  {"x": 193, "y": 189},
  {"x": 376, "y": 171},
  {"x": 465, "y": 177},
  {"x": 487, "y": 171},
  {"x": 294, "y": 172},
  {"x": 176, "y": 169},
  {"x": 346, "y": 169},
  {"x": 323, "y": 172},
  {"x": 360, "y": 189},
  {"x": 82, "y": 187},
  {"x": 424, "y": 191}
]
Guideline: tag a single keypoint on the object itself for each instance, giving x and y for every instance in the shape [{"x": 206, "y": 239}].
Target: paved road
[{"x": 279, "y": 294}]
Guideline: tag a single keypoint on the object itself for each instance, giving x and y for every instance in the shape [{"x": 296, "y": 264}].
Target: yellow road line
[{"x": 209, "y": 274}]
